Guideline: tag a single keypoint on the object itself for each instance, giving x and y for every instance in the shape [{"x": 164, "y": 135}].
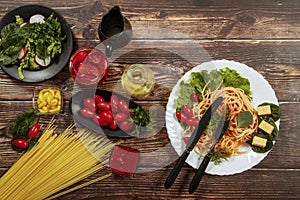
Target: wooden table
[{"x": 265, "y": 35}]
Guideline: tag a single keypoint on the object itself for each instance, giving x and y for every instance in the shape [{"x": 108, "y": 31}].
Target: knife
[
  {"x": 219, "y": 132},
  {"x": 193, "y": 141}
]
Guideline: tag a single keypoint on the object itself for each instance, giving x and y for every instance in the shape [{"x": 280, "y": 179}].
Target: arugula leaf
[{"x": 244, "y": 119}]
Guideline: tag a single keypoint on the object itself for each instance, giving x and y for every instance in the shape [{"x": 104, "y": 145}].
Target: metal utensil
[
  {"x": 193, "y": 141},
  {"x": 222, "y": 126}
]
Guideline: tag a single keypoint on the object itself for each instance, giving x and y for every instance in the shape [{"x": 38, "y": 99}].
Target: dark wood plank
[{"x": 208, "y": 19}]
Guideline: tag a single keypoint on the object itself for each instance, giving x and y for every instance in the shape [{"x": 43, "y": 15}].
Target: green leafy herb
[
  {"x": 185, "y": 91},
  {"x": 275, "y": 112},
  {"x": 274, "y": 135},
  {"x": 23, "y": 122},
  {"x": 231, "y": 78},
  {"x": 257, "y": 149},
  {"x": 21, "y": 125},
  {"x": 244, "y": 119},
  {"x": 141, "y": 118},
  {"x": 220, "y": 155},
  {"x": 204, "y": 81}
]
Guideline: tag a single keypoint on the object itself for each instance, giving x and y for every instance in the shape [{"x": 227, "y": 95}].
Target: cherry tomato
[
  {"x": 181, "y": 117},
  {"x": 103, "y": 106},
  {"x": 89, "y": 103},
  {"x": 115, "y": 108},
  {"x": 107, "y": 116},
  {"x": 119, "y": 117},
  {"x": 192, "y": 121},
  {"x": 187, "y": 111},
  {"x": 20, "y": 143},
  {"x": 33, "y": 131},
  {"x": 86, "y": 112},
  {"x": 126, "y": 125},
  {"x": 195, "y": 97},
  {"x": 98, "y": 99},
  {"x": 131, "y": 114},
  {"x": 114, "y": 100},
  {"x": 123, "y": 106},
  {"x": 113, "y": 125},
  {"x": 186, "y": 139},
  {"x": 98, "y": 120}
]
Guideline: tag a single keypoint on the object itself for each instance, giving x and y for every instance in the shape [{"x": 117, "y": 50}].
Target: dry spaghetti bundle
[{"x": 55, "y": 163}]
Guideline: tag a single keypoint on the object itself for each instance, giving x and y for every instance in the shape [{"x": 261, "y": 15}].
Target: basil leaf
[
  {"x": 23, "y": 122},
  {"x": 244, "y": 119}
]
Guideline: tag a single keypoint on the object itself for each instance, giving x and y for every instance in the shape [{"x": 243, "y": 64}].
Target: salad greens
[
  {"x": 204, "y": 81},
  {"x": 39, "y": 39}
]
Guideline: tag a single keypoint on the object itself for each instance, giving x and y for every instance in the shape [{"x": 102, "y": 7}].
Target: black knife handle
[
  {"x": 175, "y": 171},
  {"x": 200, "y": 172}
]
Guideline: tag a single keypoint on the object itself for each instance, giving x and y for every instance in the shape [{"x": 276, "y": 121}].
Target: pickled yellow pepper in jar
[{"x": 49, "y": 100}]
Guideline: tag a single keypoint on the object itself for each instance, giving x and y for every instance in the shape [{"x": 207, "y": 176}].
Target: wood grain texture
[{"x": 262, "y": 34}]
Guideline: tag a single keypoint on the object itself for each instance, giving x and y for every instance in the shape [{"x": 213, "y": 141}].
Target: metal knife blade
[
  {"x": 219, "y": 132},
  {"x": 193, "y": 141},
  {"x": 203, "y": 123}
]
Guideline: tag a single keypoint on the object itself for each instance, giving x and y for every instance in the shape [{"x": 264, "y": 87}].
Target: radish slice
[
  {"x": 22, "y": 54},
  {"x": 37, "y": 19},
  {"x": 42, "y": 62},
  {"x": 23, "y": 24}
]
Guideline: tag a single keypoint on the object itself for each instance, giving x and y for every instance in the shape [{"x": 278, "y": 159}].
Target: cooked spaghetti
[
  {"x": 55, "y": 163},
  {"x": 236, "y": 101}
]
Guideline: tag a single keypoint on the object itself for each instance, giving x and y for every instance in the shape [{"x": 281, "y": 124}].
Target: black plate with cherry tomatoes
[{"x": 96, "y": 110}]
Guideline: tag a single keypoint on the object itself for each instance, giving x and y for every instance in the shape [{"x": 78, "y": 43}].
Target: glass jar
[{"x": 138, "y": 80}]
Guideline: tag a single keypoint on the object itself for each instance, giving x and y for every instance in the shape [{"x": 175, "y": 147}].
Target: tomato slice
[{"x": 124, "y": 160}]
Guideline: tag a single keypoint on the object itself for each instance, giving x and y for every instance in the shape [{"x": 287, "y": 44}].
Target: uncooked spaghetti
[
  {"x": 55, "y": 163},
  {"x": 236, "y": 101}
]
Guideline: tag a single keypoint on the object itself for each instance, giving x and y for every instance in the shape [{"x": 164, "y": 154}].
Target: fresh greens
[
  {"x": 141, "y": 118},
  {"x": 271, "y": 119},
  {"x": 231, "y": 78},
  {"x": 41, "y": 39},
  {"x": 220, "y": 155},
  {"x": 20, "y": 128},
  {"x": 244, "y": 119},
  {"x": 275, "y": 112},
  {"x": 204, "y": 81},
  {"x": 23, "y": 121}
]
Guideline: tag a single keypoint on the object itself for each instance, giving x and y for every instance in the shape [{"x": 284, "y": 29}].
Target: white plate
[{"x": 261, "y": 92}]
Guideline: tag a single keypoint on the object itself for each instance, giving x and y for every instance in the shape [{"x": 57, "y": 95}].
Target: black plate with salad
[{"x": 36, "y": 43}]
